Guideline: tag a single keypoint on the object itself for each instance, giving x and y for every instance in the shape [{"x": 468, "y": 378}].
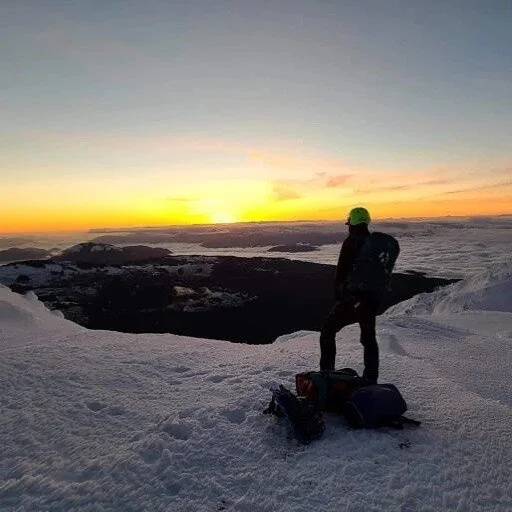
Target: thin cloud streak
[
  {"x": 284, "y": 193},
  {"x": 405, "y": 186},
  {"x": 319, "y": 165},
  {"x": 338, "y": 181},
  {"x": 478, "y": 188}
]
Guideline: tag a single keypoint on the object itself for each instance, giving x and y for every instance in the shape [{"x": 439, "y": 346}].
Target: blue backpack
[{"x": 379, "y": 405}]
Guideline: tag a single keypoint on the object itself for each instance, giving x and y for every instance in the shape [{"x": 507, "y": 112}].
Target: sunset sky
[{"x": 132, "y": 112}]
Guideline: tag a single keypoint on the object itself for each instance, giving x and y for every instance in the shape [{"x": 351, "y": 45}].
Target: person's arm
[{"x": 345, "y": 261}]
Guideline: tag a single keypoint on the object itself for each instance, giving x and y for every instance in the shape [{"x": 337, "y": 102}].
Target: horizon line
[{"x": 211, "y": 224}]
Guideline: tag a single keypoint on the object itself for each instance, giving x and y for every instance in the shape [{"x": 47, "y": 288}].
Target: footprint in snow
[
  {"x": 150, "y": 450},
  {"x": 405, "y": 444},
  {"x": 172, "y": 488},
  {"x": 180, "y": 369},
  {"x": 181, "y": 431},
  {"x": 394, "y": 345},
  {"x": 95, "y": 406},
  {"x": 235, "y": 415},
  {"x": 116, "y": 411}
]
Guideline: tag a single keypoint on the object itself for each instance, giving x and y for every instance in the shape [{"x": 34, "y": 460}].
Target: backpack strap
[
  {"x": 410, "y": 421},
  {"x": 400, "y": 422},
  {"x": 322, "y": 385}
]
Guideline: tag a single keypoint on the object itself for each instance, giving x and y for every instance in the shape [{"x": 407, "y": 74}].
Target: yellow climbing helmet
[{"x": 357, "y": 216}]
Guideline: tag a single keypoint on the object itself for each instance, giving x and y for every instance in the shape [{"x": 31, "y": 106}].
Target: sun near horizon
[
  {"x": 84, "y": 220},
  {"x": 316, "y": 187}
]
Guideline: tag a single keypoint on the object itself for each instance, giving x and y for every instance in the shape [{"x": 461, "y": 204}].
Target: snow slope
[
  {"x": 97, "y": 421},
  {"x": 490, "y": 290}
]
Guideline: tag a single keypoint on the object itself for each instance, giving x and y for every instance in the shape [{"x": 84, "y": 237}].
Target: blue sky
[{"x": 188, "y": 89}]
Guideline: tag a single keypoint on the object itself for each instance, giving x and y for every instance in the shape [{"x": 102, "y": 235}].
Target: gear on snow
[{"x": 301, "y": 413}]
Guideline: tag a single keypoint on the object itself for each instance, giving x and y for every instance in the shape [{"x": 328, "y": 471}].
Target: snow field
[{"x": 97, "y": 420}]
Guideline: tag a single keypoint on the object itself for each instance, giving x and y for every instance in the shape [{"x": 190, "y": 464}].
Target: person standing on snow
[{"x": 358, "y": 287}]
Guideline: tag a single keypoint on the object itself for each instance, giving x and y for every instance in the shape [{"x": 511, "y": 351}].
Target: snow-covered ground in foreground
[{"x": 97, "y": 420}]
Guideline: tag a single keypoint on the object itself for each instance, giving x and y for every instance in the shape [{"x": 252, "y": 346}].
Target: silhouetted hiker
[{"x": 362, "y": 277}]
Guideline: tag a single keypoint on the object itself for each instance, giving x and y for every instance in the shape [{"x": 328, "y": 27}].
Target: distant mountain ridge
[{"x": 106, "y": 254}]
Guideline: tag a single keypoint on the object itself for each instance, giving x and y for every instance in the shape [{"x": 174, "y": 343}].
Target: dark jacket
[{"x": 348, "y": 254}]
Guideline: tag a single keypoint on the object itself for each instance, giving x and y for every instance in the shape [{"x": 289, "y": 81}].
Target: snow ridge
[
  {"x": 490, "y": 290},
  {"x": 27, "y": 313}
]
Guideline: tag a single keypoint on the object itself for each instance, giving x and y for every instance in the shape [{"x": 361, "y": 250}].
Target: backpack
[
  {"x": 301, "y": 413},
  {"x": 328, "y": 389},
  {"x": 371, "y": 271},
  {"x": 374, "y": 406}
]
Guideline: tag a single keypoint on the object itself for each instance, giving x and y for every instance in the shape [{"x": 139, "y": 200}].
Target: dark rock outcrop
[{"x": 250, "y": 300}]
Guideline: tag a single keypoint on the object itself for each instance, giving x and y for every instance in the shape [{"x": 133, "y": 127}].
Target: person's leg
[
  {"x": 341, "y": 314},
  {"x": 367, "y": 311}
]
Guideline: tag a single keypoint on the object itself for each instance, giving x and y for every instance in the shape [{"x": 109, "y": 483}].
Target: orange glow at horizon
[
  {"x": 137, "y": 202},
  {"x": 82, "y": 219}
]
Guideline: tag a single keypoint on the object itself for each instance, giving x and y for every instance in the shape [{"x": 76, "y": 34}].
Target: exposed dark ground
[{"x": 274, "y": 296}]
